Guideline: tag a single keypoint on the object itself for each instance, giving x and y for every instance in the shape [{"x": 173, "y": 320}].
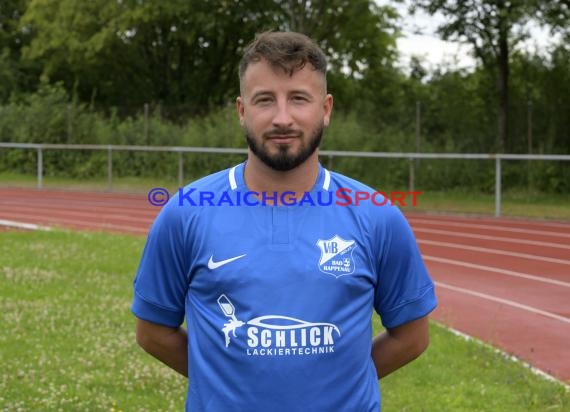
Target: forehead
[{"x": 261, "y": 76}]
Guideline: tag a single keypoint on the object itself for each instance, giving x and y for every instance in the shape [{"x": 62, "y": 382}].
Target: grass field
[
  {"x": 514, "y": 204},
  {"x": 67, "y": 342}
]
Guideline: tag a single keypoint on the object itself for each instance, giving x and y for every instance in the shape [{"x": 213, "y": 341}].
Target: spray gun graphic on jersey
[{"x": 229, "y": 310}]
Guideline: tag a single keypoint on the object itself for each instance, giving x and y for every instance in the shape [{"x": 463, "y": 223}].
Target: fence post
[
  {"x": 40, "y": 167},
  {"x": 69, "y": 123},
  {"x": 146, "y": 123},
  {"x": 497, "y": 186},
  {"x": 109, "y": 168},
  {"x": 418, "y": 125},
  {"x": 180, "y": 170},
  {"x": 330, "y": 163},
  {"x": 529, "y": 126},
  {"x": 411, "y": 176}
]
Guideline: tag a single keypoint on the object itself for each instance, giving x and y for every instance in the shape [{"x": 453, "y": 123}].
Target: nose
[{"x": 282, "y": 118}]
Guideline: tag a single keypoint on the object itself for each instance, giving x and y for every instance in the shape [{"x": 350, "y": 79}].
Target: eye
[
  {"x": 299, "y": 98},
  {"x": 263, "y": 100}
]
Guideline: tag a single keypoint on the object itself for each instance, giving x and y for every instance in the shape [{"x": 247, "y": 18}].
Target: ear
[
  {"x": 240, "y": 110},
  {"x": 327, "y": 109}
]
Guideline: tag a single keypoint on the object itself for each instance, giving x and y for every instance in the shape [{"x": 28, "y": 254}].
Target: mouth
[{"x": 282, "y": 138}]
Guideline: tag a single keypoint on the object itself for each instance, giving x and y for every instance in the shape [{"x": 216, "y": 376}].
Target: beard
[{"x": 284, "y": 160}]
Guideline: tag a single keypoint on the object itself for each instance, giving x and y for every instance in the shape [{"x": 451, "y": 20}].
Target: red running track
[{"x": 504, "y": 281}]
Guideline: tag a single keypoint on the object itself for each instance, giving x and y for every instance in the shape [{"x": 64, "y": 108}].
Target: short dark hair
[{"x": 288, "y": 51}]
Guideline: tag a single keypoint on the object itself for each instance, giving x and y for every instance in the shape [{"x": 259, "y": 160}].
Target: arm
[
  {"x": 398, "y": 346},
  {"x": 168, "y": 345}
]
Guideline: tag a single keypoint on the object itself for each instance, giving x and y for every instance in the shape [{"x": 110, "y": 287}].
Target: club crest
[{"x": 336, "y": 256}]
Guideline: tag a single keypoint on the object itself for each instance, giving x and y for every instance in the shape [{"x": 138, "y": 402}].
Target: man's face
[{"x": 283, "y": 116}]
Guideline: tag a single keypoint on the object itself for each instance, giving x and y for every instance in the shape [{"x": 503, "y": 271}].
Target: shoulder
[
  {"x": 338, "y": 180},
  {"x": 187, "y": 202},
  {"x": 221, "y": 180},
  {"x": 373, "y": 209},
  {"x": 369, "y": 201}
]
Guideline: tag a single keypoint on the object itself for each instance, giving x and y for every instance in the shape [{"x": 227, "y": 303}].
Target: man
[{"x": 276, "y": 283}]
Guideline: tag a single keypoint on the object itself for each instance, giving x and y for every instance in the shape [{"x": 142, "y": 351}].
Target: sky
[{"x": 419, "y": 39}]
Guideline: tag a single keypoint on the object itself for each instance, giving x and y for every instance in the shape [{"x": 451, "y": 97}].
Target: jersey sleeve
[
  {"x": 161, "y": 280},
  {"x": 404, "y": 290}
]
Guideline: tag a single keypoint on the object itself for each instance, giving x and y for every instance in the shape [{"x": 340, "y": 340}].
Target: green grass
[
  {"x": 466, "y": 376},
  {"x": 119, "y": 184},
  {"x": 513, "y": 203},
  {"x": 68, "y": 342}
]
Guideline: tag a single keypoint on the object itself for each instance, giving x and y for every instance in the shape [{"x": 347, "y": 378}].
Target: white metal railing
[{"x": 40, "y": 147}]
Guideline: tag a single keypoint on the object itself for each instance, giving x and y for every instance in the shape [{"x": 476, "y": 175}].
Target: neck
[{"x": 261, "y": 178}]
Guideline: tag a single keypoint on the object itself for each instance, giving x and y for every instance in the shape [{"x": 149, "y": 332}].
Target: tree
[
  {"x": 186, "y": 52},
  {"x": 494, "y": 28},
  {"x": 14, "y": 74}
]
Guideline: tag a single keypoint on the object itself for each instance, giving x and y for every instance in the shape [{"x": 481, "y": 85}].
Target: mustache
[{"x": 282, "y": 132}]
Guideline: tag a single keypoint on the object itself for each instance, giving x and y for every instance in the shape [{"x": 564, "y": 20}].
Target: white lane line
[
  {"x": 504, "y": 302},
  {"x": 494, "y": 238},
  {"x": 495, "y": 251},
  {"x": 525, "y": 223},
  {"x": 497, "y": 270},
  {"x": 490, "y": 227},
  {"x": 506, "y": 355},
  {"x": 22, "y": 225},
  {"x": 96, "y": 226}
]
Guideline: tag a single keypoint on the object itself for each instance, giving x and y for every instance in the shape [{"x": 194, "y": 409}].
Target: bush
[{"x": 49, "y": 116}]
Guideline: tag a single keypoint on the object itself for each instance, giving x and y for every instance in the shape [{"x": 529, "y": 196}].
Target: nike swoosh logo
[{"x": 214, "y": 265}]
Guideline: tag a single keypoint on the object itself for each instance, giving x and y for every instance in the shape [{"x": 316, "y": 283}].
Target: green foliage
[
  {"x": 486, "y": 23},
  {"x": 544, "y": 83},
  {"x": 450, "y": 114},
  {"x": 7, "y": 74},
  {"x": 81, "y": 72},
  {"x": 494, "y": 29},
  {"x": 38, "y": 117},
  {"x": 187, "y": 52},
  {"x": 14, "y": 73}
]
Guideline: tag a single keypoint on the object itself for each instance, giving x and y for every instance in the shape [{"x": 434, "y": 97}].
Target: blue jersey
[{"x": 278, "y": 299}]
